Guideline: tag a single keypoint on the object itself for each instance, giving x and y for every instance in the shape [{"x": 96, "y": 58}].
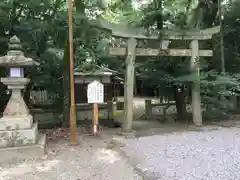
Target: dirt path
[{"x": 88, "y": 161}]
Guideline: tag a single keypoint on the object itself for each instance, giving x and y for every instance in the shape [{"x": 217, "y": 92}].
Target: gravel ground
[
  {"x": 210, "y": 155},
  {"x": 89, "y": 161}
]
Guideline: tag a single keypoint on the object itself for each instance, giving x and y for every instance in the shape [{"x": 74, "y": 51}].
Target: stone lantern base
[
  {"x": 19, "y": 138},
  {"x": 20, "y": 153}
]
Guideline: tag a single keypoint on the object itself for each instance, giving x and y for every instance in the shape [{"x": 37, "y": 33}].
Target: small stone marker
[{"x": 95, "y": 95}]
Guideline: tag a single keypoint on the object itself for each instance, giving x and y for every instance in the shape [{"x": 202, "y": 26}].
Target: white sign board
[{"x": 95, "y": 92}]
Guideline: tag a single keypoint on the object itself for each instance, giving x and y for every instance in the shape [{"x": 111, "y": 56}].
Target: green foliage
[
  {"x": 165, "y": 72},
  {"x": 34, "y": 21}
]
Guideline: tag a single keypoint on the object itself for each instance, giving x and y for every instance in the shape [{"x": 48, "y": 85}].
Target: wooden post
[
  {"x": 129, "y": 86},
  {"x": 148, "y": 109},
  {"x": 196, "y": 98},
  {"x": 73, "y": 123},
  {"x": 95, "y": 119}
]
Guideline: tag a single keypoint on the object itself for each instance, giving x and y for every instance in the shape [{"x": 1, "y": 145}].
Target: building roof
[{"x": 89, "y": 69}]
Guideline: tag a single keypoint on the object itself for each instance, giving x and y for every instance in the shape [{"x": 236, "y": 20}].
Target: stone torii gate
[{"x": 133, "y": 34}]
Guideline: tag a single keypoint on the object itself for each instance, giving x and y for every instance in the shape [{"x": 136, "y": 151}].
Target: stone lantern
[{"x": 19, "y": 136}]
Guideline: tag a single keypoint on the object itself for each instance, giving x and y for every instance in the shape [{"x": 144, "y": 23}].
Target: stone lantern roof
[{"x": 15, "y": 57}]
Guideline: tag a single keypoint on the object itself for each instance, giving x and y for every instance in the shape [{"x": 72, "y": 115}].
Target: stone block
[
  {"x": 21, "y": 137},
  {"x": 128, "y": 135},
  {"x": 17, "y": 154},
  {"x": 15, "y": 123},
  {"x": 116, "y": 142}
]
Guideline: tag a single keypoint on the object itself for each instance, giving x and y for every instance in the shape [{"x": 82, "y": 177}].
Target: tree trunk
[
  {"x": 66, "y": 86},
  {"x": 80, "y": 9},
  {"x": 179, "y": 97}
]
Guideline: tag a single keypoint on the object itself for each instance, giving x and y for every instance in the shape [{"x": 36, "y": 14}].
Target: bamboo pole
[{"x": 73, "y": 124}]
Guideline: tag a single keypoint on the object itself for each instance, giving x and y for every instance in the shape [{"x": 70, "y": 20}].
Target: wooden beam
[
  {"x": 170, "y": 36},
  {"x": 126, "y": 31},
  {"x": 188, "y": 37},
  {"x": 73, "y": 121},
  {"x": 158, "y": 52}
]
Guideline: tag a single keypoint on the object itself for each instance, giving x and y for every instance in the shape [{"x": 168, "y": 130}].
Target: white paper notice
[{"x": 95, "y": 92}]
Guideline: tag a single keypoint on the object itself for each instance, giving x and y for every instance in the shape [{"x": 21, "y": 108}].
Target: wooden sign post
[{"x": 95, "y": 96}]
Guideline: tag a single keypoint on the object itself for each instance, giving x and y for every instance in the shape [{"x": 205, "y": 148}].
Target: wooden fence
[
  {"x": 84, "y": 110},
  {"x": 42, "y": 97}
]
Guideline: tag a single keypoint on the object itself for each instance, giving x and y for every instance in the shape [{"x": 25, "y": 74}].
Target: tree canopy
[{"x": 43, "y": 28}]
